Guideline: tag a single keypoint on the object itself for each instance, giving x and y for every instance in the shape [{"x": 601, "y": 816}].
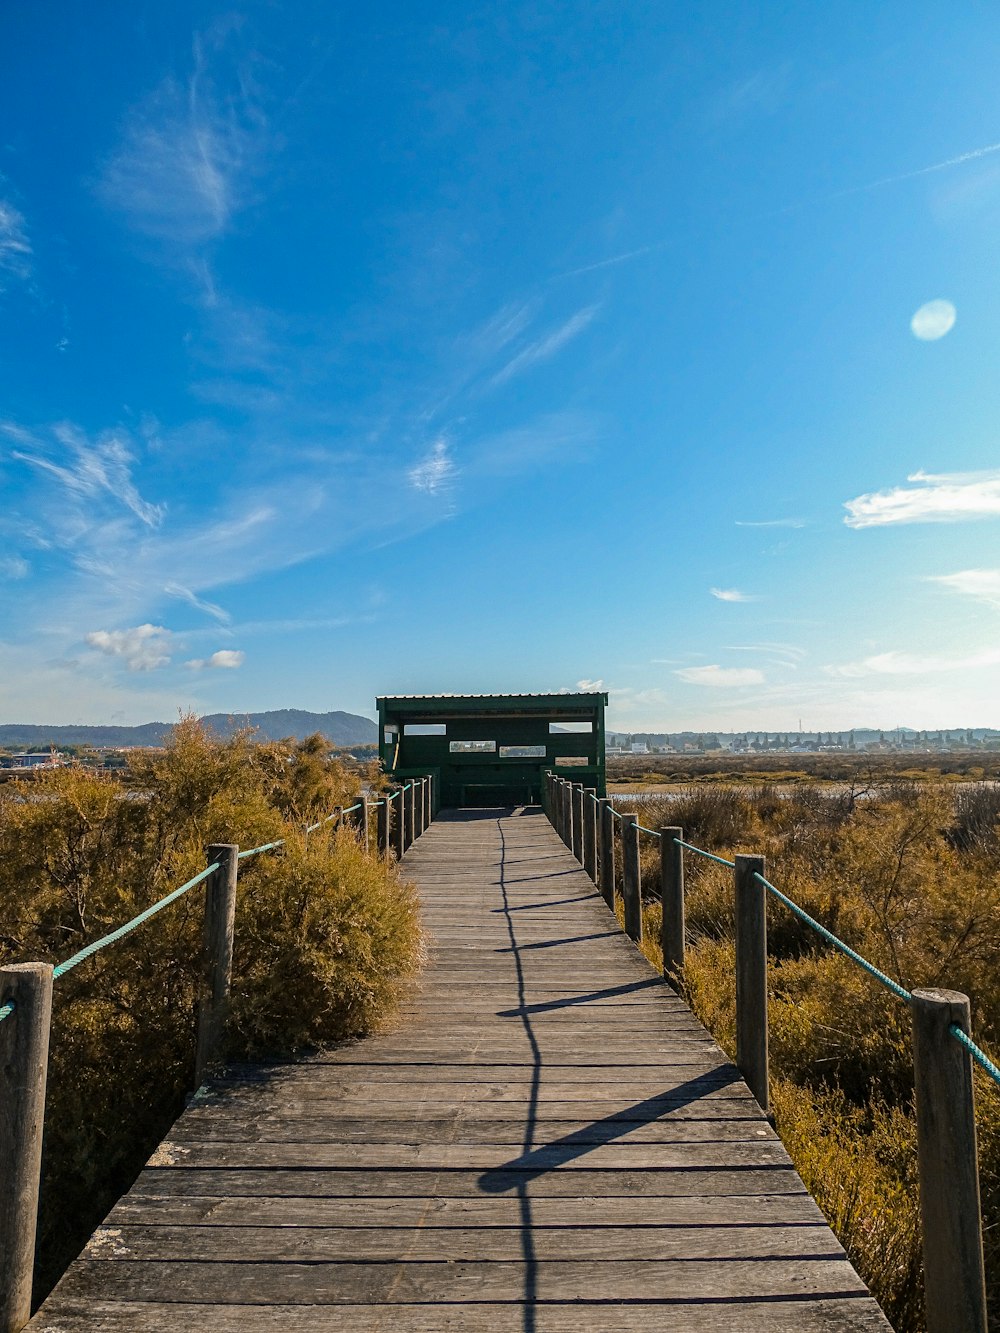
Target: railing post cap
[
  {"x": 27, "y": 969},
  {"x": 673, "y": 829},
  {"x": 933, "y": 997}
]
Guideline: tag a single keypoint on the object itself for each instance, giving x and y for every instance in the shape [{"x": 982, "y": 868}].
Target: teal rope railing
[
  {"x": 978, "y": 1054},
  {"x": 653, "y": 833},
  {"x": 6, "y": 1010},
  {"x": 62, "y": 968},
  {"x": 899, "y": 991},
  {"x": 264, "y": 847},
  {"x": 709, "y": 856}
]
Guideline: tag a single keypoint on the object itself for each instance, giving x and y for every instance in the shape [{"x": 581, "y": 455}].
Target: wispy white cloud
[
  {"x": 226, "y": 659},
  {"x": 92, "y": 468},
  {"x": 546, "y": 347},
  {"x": 973, "y": 155},
  {"x": 14, "y": 567},
  {"x": 15, "y": 248},
  {"x": 981, "y": 584},
  {"x": 508, "y": 323},
  {"x": 209, "y": 608},
  {"x": 733, "y": 595},
  {"x": 785, "y": 655},
  {"x": 590, "y": 686},
  {"x": 933, "y": 320},
  {"x": 791, "y": 650},
  {"x": 639, "y": 252},
  {"x": 16, "y": 432},
  {"x": 895, "y": 663},
  {"x": 719, "y": 677},
  {"x": 945, "y": 498},
  {"x": 613, "y": 260},
  {"x": 771, "y": 523},
  {"x": 554, "y": 438},
  {"x": 141, "y": 648},
  {"x": 186, "y": 160},
  {"x": 435, "y": 472}
]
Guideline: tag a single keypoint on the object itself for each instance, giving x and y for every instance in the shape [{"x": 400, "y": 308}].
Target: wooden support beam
[
  {"x": 220, "y": 916},
  {"x": 578, "y": 820},
  {"x": 751, "y": 977},
  {"x": 947, "y": 1154},
  {"x": 398, "y": 818},
  {"x": 590, "y": 832},
  {"x": 631, "y": 885},
  {"x": 24, "y": 1053},
  {"x": 383, "y": 825},
  {"x": 606, "y": 851},
  {"x": 672, "y": 897}
]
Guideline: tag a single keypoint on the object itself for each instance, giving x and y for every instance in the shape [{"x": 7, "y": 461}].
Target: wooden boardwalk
[{"x": 549, "y": 1143}]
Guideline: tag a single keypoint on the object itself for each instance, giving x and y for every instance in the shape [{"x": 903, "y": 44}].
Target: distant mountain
[{"x": 339, "y": 728}]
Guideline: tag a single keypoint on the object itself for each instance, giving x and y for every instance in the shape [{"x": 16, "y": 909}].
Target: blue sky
[{"x": 517, "y": 348}]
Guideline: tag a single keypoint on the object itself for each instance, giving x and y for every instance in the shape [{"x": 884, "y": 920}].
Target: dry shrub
[
  {"x": 977, "y": 818},
  {"x": 905, "y": 875},
  {"x": 325, "y": 936},
  {"x": 859, "y": 1164}
]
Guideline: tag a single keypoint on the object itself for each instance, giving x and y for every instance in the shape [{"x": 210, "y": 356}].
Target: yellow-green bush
[
  {"x": 906, "y": 874},
  {"x": 326, "y": 934}
]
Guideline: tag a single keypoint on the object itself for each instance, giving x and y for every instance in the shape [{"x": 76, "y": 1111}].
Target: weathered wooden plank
[
  {"x": 678, "y": 1281},
  {"x": 849, "y": 1314},
  {"x": 394, "y": 1244},
  {"x": 754, "y": 1210},
  {"x": 488, "y": 1159},
  {"x": 690, "y": 1182},
  {"x": 461, "y": 1129}
]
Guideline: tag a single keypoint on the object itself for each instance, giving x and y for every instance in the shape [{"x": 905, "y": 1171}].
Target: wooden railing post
[
  {"x": 337, "y": 816},
  {"x": 428, "y": 801},
  {"x": 217, "y": 940},
  {"x": 672, "y": 898},
  {"x": 567, "y": 804},
  {"x": 606, "y": 862},
  {"x": 631, "y": 887},
  {"x": 578, "y": 820},
  {"x": 951, "y": 1220},
  {"x": 24, "y": 1054},
  {"x": 363, "y": 820},
  {"x": 751, "y": 977},
  {"x": 590, "y": 832},
  {"x": 383, "y": 823},
  {"x": 398, "y": 826},
  {"x": 411, "y": 812}
]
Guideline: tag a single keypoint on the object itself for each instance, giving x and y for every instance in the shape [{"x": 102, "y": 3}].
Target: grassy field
[{"x": 672, "y": 771}]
